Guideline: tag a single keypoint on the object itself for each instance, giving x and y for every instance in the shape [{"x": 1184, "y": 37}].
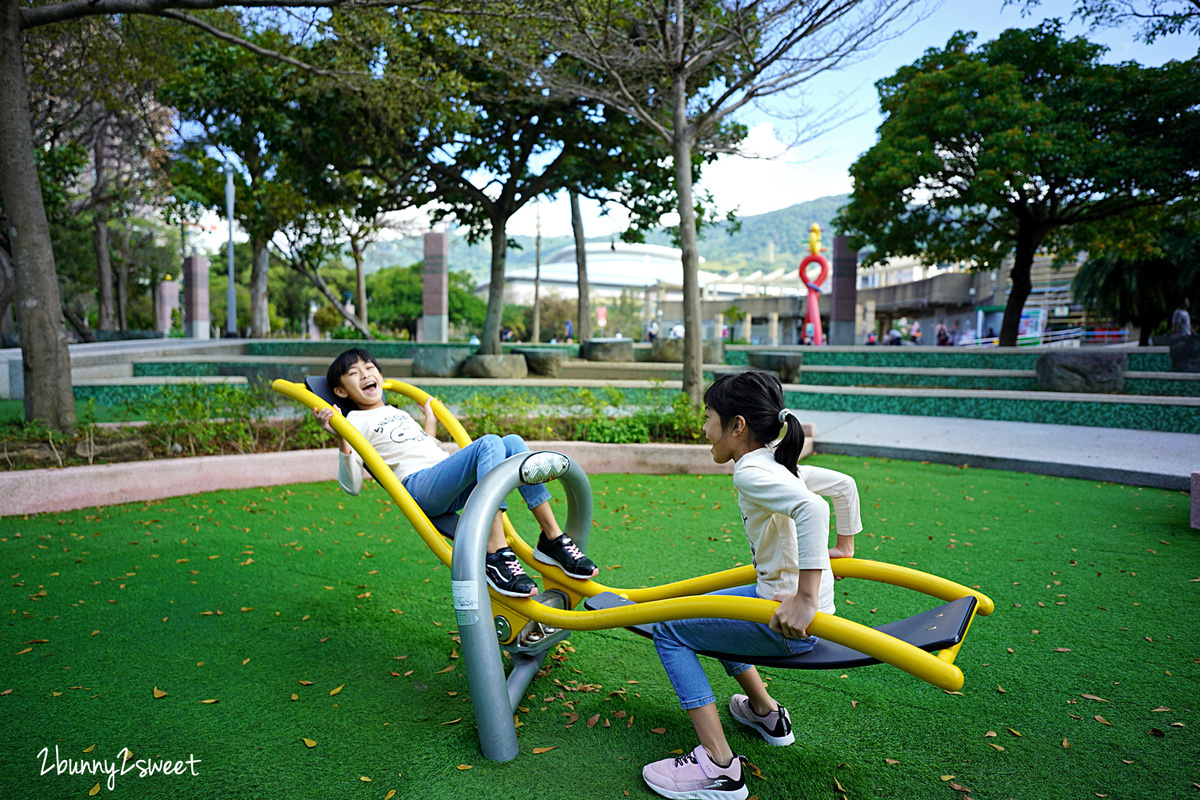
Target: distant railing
[{"x": 1071, "y": 337}]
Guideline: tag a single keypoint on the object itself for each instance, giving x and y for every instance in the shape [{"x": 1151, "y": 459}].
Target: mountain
[{"x": 764, "y": 241}]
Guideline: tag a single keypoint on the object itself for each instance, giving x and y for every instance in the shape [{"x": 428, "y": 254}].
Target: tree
[
  {"x": 234, "y": 98},
  {"x": 396, "y": 296},
  {"x": 683, "y": 68},
  {"x": 1143, "y": 290},
  {"x": 1029, "y": 141},
  {"x": 1156, "y": 17},
  {"x": 522, "y": 143},
  {"x": 45, "y": 356}
]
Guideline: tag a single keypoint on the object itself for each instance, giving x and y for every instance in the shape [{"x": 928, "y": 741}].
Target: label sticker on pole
[{"x": 465, "y": 595}]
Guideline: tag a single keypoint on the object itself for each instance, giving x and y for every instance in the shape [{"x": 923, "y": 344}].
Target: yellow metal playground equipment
[{"x": 528, "y": 627}]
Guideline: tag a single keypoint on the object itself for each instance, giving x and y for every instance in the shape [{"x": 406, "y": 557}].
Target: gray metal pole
[
  {"x": 472, "y": 604},
  {"x": 231, "y": 295}
]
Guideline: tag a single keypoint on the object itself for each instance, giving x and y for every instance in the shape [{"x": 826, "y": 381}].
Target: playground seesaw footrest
[{"x": 935, "y": 629}]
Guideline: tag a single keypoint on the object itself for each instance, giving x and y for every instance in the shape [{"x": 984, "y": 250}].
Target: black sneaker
[
  {"x": 562, "y": 552},
  {"x": 506, "y": 575}
]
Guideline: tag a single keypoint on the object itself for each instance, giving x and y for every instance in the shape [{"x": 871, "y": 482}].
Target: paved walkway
[{"x": 1140, "y": 458}]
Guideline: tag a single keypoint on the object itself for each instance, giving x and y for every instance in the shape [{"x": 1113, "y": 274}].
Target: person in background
[{"x": 1181, "y": 320}]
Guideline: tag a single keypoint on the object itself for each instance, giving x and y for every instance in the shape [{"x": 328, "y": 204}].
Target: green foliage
[
  {"x": 585, "y": 415},
  {"x": 397, "y": 299},
  {"x": 985, "y": 154},
  {"x": 1143, "y": 291}
]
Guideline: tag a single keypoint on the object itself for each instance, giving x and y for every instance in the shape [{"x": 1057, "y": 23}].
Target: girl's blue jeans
[
  {"x": 678, "y": 640},
  {"x": 446, "y": 485}
]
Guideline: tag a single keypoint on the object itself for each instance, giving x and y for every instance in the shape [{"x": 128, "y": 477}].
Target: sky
[{"x": 781, "y": 176}]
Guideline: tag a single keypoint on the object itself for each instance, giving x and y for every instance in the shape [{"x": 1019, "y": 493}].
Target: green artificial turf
[{"x": 250, "y": 597}]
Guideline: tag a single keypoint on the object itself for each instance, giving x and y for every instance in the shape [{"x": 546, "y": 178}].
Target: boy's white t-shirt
[
  {"x": 400, "y": 441},
  {"x": 787, "y": 526}
]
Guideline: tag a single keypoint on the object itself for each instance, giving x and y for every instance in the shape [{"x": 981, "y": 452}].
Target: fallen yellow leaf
[
  {"x": 463, "y": 766},
  {"x": 390, "y": 795},
  {"x": 295, "y": 696},
  {"x": 444, "y": 671},
  {"x": 245, "y": 661},
  {"x": 95, "y": 790},
  {"x": 159, "y": 693},
  {"x": 308, "y": 742},
  {"x": 89, "y": 749},
  {"x": 209, "y": 702},
  {"x": 658, "y": 730},
  {"x": 1102, "y": 720},
  {"x": 998, "y": 747},
  {"x": 365, "y": 779},
  {"x": 453, "y": 721},
  {"x": 537, "y": 751},
  {"x": 336, "y": 691}
]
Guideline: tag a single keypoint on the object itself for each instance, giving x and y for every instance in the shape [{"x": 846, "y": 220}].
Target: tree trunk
[
  {"x": 101, "y": 241},
  {"x": 584, "y": 328},
  {"x": 260, "y": 317},
  {"x": 360, "y": 279},
  {"x": 693, "y": 346},
  {"x": 489, "y": 342},
  {"x": 45, "y": 357},
  {"x": 7, "y": 289},
  {"x": 123, "y": 279},
  {"x": 1028, "y": 239}
]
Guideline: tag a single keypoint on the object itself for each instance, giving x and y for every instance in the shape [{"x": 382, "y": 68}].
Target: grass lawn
[{"x": 308, "y": 614}]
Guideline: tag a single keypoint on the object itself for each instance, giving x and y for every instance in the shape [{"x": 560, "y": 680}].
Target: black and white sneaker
[
  {"x": 563, "y": 552},
  {"x": 775, "y": 727},
  {"x": 506, "y": 575}
]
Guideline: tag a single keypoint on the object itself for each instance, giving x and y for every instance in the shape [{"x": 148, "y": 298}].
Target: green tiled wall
[
  {"x": 933, "y": 357},
  {"x": 1154, "y": 417}
]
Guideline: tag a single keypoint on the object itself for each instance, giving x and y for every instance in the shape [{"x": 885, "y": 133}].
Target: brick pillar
[
  {"x": 168, "y": 301},
  {"x": 195, "y": 298},
  {"x": 773, "y": 328},
  {"x": 435, "y": 320},
  {"x": 842, "y": 306}
]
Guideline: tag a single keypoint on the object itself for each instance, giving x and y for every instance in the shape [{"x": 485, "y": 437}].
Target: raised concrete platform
[
  {"x": 1138, "y": 458},
  {"x": 50, "y": 490}
]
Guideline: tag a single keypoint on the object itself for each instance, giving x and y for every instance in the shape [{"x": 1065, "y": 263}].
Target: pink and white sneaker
[{"x": 694, "y": 776}]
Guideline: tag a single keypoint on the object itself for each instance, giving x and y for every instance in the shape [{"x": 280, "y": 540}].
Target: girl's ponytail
[{"x": 787, "y": 452}]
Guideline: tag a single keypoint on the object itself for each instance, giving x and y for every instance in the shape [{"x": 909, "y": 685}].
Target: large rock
[
  {"x": 543, "y": 363},
  {"x": 607, "y": 349},
  {"x": 1082, "y": 372},
  {"x": 507, "y": 366},
  {"x": 671, "y": 351},
  {"x": 786, "y": 365},
  {"x": 1185, "y": 353},
  {"x": 439, "y": 362}
]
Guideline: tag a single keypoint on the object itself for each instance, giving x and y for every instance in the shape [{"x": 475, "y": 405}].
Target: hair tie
[{"x": 783, "y": 415}]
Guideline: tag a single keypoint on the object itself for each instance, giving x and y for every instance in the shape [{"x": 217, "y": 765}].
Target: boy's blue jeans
[
  {"x": 446, "y": 485},
  {"x": 678, "y": 640}
]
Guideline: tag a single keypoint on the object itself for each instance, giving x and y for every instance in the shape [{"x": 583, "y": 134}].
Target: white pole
[{"x": 231, "y": 295}]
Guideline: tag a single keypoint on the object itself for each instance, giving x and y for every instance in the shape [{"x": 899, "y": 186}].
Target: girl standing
[{"x": 787, "y": 525}]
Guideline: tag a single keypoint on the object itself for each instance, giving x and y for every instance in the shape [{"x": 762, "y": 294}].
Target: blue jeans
[
  {"x": 446, "y": 485},
  {"x": 678, "y": 640}
]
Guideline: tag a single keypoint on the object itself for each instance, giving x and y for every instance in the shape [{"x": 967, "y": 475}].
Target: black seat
[
  {"x": 931, "y": 630},
  {"x": 447, "y": 523}
]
